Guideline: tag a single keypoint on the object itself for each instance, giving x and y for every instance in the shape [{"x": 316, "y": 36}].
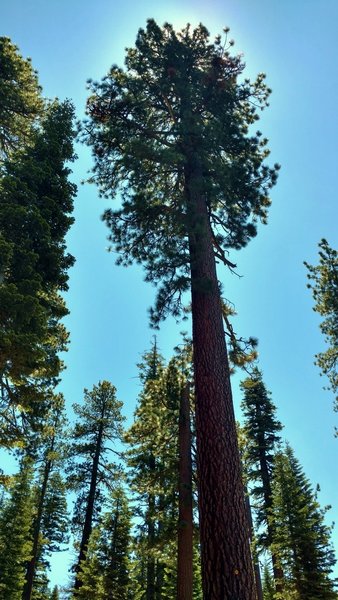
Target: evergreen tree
[
  {"x": 15, "y": 535},
  {"x": 160, "y": 475},
  {"x": 20, "y": 99},
  {"x": 152, "y": 460},
  {"x": 261, "y": 430},
  {"x": 301, "y": 539},
  {"x": 99, "y": 422},
  {"x": 114, "y": 546},
  {"x": 55, "y": 593},
  {"x": 170, "y": 132},
  {"x": 105, "y": 572},
  {"x": 324, "y": 284},
  {"x": 268, "y": 584},
  {"x": 36, "y": 202},
  {"x": 50, "y": 521}
]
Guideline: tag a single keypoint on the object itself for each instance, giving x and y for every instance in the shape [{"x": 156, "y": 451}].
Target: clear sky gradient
[{"x": 295, "y": 43}]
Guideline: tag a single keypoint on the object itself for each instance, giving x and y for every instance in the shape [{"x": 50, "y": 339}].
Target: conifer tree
[
  {"x": 261, "y": 430},
  {"x": 50, "y": 522},
  {"x": 99, "y": 422},
  {"x": 36, "y": 202},
  {"x": 105, "y": 572},
  {"x": 15, "y": 535},
  {"x": 161, "y": 430},
  {"x": 324, "y": 284},
  {"x": 20, "y": 99},
  {"x": 153, "y": 479},
  {"x": 55, "y": 593},
  {"x": 301, "y": 539},
  {"x": 170, "y": 133}
]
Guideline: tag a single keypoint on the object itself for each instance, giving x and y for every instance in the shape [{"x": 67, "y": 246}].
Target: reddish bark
[
  {"x": 185, "y": 508},
  {"x": 227, "y": 572}
]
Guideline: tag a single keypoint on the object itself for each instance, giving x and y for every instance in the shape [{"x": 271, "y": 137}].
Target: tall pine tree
[{"x": 170, "y": 133}]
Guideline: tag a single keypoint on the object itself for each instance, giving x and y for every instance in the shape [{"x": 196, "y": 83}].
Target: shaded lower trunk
[
  {"x": 151, "y": 570},
  {"x": 278, "y": 574},
  {"x": 257, "y": 571},
  {"x": 227, "y": 572},
  {"x": 185, "y": 506},
  {"x": 87, "y": 527},
  {"x": 113, "y": 555},
  {"x": 31, "y": 568}
]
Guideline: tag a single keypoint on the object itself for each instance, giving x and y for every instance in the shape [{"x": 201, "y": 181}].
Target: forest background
[{"x": 295, "y": 43}]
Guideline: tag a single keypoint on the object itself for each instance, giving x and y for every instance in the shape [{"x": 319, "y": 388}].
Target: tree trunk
[
  {"x": 87, "y": 528},
  {"x": 227, "y": 572},
  {"x": 257, "y": 571},
  {"x": 31, "y": 568},
  {"x": 185, "y": 508},
  {"x": 113, "y": 566},
  {"x": 151, "y": 567},
  {"x": 278, "y": 574}
]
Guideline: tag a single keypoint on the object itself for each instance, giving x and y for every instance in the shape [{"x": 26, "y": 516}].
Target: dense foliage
[{"x": 36, "y": 204}]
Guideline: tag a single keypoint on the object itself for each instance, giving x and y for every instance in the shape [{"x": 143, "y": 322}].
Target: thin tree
[
  {"x": 185, "y": 502},
  {"x": 152, "y": 461},
  {"x": 49, "y": 520},
  {"x": 99, "y": 422},
  {"x": 261, "y": 430},
  {"x": 323, "y": 281},
  {"x": 170, "y": 133}
]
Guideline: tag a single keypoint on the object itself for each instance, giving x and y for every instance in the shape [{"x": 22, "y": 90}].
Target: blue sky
[{"x": 295, "y": 44}]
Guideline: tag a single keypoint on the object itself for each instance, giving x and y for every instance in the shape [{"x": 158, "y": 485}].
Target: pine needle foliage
[
  {"x": 177, "y": 90},
  {"x": 323, "y": 281}
]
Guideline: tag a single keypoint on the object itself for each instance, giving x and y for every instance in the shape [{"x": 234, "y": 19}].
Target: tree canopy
[{"x": 179, "y": 97}]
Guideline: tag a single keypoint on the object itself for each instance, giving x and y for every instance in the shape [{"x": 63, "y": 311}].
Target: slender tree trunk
[
  {"x": 227, "y": 572},
  {"x": 257, "y": 571},
  {"x": 113, "y": 566},
  {"x": 185, "y": 509},
  {"x": 278, "y": 574},
  {"x": 160, "y": 565},
  {"x": 87, "y": 528},
  {"x": 151, "y": 567},
  {"x": 31, "y": 568}
]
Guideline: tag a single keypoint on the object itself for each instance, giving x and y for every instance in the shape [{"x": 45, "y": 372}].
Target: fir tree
[
  {"x": 261, "y": 430},
  {"x": 301, "y": 539},
  {"x": 99, "y": 422},
  {"x": 50, "y": 521},
  {"x": 170, "y": 132},
  {"x": 36, "y": 202},
  {"x": 55, "y": 593},
  {"x": 114, "y": 547},
  {"x": 324, "y": 284},
  {"x": 152, "y": 460},
  {"x": 15, "y": 535},
  {"x": 105, "y": 574}
]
